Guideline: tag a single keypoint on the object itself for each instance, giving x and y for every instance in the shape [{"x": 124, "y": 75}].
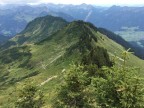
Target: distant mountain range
[
  {"x": 14, "y": 18},
  {"x": 112, "y": 18}
]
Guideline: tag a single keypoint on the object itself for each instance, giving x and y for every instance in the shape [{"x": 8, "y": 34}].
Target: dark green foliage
[
  {"x": 15, "y": 80},
  {"x": 73, "y": 91},
  {"x": 89, "y": 86},
  {"x": 15, "y": 54},
  {"x": 97, "y": 56},
  {"x": 119, "y": 89},
  {"x": 93, "y": 71},
  {"x": 22, "y": 39},
  {"x": 3, "y": 79},
  {"x": 6, "y": 81},
  {"x": 71, "y": 49},
  {"x": 85, "y": 40},
  {"x": 85, "y": 43},
  {"x": 8, "y": 44},
  {"x": 30, "y": 97},
  {"x": 81, "y": 31},
  {"x": 92, "y": 26}
]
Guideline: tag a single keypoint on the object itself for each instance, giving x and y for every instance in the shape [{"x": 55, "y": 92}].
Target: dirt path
[
  {"x": 43, "y": 65},
  {"x": 117, "y": 57},
  {"x": 49, "y": 79}
]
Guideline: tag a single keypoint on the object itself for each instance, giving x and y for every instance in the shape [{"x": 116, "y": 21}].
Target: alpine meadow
[{"x": 71, "y": 56}]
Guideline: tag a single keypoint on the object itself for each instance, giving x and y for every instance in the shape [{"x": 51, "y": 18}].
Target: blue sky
[{"x": 94, "y": 2}]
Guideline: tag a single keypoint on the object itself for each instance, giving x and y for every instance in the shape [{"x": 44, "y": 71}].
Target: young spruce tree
[
  {"x": 120, "y": 88},
  {"x": 74, "y": 91}
]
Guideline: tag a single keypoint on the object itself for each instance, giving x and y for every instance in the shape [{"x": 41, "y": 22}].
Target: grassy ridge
[{"x": 49, "y": 57}]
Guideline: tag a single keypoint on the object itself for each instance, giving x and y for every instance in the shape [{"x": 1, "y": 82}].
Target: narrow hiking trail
[{"x": 46, "y": 81}]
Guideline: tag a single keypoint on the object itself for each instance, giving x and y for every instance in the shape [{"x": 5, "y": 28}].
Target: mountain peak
[{"x": 37, "y": 30}]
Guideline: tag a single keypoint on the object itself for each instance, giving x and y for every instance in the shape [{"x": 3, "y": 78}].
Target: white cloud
[{"x": 95, "y": 2}]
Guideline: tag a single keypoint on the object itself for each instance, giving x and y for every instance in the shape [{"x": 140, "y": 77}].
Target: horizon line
[{"x": 104, "y": 5}]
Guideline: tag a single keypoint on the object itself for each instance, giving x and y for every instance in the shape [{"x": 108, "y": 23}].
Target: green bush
[
  {"x": 109, "y": 87},
  {"x": 30, "y": 97},
  {"x": 74, "y": 91},
  {"x": 121, "y": 88}
]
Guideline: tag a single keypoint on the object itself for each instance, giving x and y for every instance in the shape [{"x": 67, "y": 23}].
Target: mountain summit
[{"x": 37, "y": 30}]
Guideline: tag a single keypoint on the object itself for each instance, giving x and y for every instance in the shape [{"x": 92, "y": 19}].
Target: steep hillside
[
  {"x": 43, "y": 62},
  {"x": 138, "y": 51},
  {"x": 37, "y": 30}
]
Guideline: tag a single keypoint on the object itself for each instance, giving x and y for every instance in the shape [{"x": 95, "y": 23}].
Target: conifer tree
[
  {"x": 30, "y": 97},
  {"x": 109, "y": 87},
  {"x": 74, "y": 91},
  {"x": 120, "y": 88}
]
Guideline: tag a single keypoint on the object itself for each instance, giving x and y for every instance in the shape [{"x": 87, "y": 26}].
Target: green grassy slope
[
  {"x": 46, "y": 59},
  {"x": 37, "y": 30}
]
